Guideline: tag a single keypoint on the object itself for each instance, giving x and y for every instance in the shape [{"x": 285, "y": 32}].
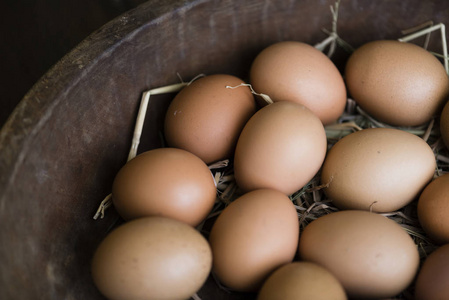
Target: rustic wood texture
[{"x": 64, "y": 143}]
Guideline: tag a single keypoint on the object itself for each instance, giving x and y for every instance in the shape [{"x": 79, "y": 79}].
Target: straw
[{"x": 145, "y": 99}]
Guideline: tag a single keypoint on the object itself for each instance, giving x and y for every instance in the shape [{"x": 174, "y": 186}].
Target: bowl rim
[{"x": 35, "y": 108}]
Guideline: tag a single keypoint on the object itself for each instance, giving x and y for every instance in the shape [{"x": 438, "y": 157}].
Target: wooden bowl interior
[{"x": 63, "y": 145}]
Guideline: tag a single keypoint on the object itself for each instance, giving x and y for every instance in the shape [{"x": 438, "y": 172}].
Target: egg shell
[
  {"x": 371, "y": 255},
  {"x": 253, "y": 236},
  {"x": 301, "y": 281},
  {"x": 398, "y": 83},
  {"x": 382, "y": 169},
  {"x": 296, "y": 71},
  {"x": 433, "y": 209},
  {"x": 168, "y": 182},
  {"x": 206, "y": 117},
  {"x": 281, "y": 147},
  {"x": 151, "y": 258},
  {"x": 433, "y": 278},
  {"x": 444, "y": 125}
]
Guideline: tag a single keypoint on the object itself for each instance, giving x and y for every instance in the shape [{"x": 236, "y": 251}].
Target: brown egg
[
  {"x": 166, "y": 182},
  {"x": 206, "y": 117},
  {"x": 253, "y": 236},
  {"x": 377, "y": 168},
  {"x": 281, "y": 147},
  {"x": 433, "y": 209},
  {"x": 301, "y": 281},
  {"x": 398, "y": 83},
  {"x": 371, "y": 255},
  {"x": 444, "y": 125},
  {"x": 432, "y": 282},
  {"x": 295, "y": 71},
  {"x": 151, "y": 258}
]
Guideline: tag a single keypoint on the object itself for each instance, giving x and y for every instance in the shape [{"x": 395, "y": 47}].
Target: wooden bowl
[{"x": 64, "y": 143}]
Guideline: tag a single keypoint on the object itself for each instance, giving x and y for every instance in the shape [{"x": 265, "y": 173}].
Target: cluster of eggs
[{"x": 255, "y": 243}]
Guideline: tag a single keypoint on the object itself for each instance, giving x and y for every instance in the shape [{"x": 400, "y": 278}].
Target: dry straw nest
[{"x": 310, "y": 201}]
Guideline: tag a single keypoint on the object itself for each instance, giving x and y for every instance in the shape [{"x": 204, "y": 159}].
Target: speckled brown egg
[
  {"x": 206, "y": 117},
  {"x": 378, "y": 169},
  {"x": 301, "y": 281},
  {"x": 433, "y": 209},
  {"x": 296, "y": 71},
  {"x": 444, "y": 125},
  {"x": 253, "y": 236},
  {"x": 433, "y": 278},
  {"x": 151, "y": 258},
  {"x": 281, "y": 147},
  {"x": 166, "y": 182},
  {"x": 372, "y": 256},
  {"x": 398, "y": 83}
]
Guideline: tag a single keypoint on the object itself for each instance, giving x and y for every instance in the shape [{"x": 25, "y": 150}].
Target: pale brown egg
[
  {"x": 378, "y": 169},
  {"x": 432, "y": 282},
  {"x": 281, "y": 147},
  {"x": 295, "y": 71},
  {"x": 301, "y": 281},
  {"x": 253, "y": 236},
  {"x": 206, "y": 117},
  {"x": 433, "y": 209},
  {"x": 444, "y": 125},
  {"x": 166, "y": 182},
  {"x": 371, "y": 255},
  {"x": 398, "y": 83},
  {"x": 152, "y": 258}
]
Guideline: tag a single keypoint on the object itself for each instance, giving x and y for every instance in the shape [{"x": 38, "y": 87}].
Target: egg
[
  {"x": 433, "y": 209},
  {"x": 301, "y": 281},
  {"x": 281, "y": 147},
  {"x": 206, "y": 117},
  {"x": 433, "y": 278},
  {"x": 151, "y": 258},
  {"x": 296, "y": 71},
  {"x": 166, "y": 182},
  {"x": 378, "y": 169},
  {"x": 444, "y": 125},
  {"x": 371, "y": 255},
  {"x": 398, "y": 83},
  {"x": 253, "y": 236}
]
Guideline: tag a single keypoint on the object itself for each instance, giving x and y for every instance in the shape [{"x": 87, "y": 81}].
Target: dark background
[{"x": 35, "y": 34}]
